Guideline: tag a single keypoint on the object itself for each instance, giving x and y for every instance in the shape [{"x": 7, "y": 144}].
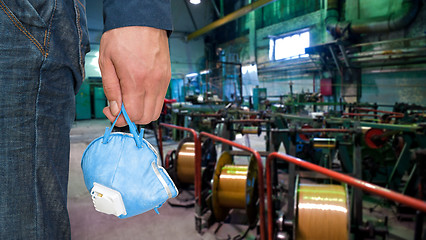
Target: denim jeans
[{"x": 42, "y": 48}]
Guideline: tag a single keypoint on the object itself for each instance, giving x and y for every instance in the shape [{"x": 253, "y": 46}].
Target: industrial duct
[{"x": 394, "y": 21}]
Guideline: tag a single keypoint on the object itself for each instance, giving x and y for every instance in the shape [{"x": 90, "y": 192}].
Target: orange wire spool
[
  {"x": 234, "y": 187},
  {"x": 185, "y": 162},
  {"x": 374, "y": 138},
  {"x": 302, "y": 136},
  {"x": 322, "y": 212}
]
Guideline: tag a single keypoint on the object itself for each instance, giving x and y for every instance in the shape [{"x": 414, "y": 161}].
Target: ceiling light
[{"x": 195, "y": 1}]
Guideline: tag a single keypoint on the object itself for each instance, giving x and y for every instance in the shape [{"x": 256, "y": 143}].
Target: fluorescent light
[
  {"x": 195, "y": 1},
  {"x": 191, "y": 75}
]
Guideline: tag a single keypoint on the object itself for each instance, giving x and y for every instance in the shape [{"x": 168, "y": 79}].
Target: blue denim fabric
[
  {"x": 157, "y": 14},
  {"x": 42, "y": 47}
]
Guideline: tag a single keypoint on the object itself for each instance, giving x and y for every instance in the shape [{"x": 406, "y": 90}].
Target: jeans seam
[
  {"x": 44, "y": 39},
  {"x": 18, "y": 25},
  {"x": 80, "y": 36},
  {"x": 36, "y": 153},
  {"x": 48, "y": 30},
  {"x": 82, "y": 5}
]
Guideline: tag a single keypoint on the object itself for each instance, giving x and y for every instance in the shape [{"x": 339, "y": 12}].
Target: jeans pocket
[
  {"x": 83, "y": 34},
  {"x": 31, "y": 12}
]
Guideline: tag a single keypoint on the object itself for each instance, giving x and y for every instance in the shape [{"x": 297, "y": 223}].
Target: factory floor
[{"x": 173, "y": 222}]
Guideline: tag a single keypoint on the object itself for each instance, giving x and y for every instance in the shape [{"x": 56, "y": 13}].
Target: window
[{"x": 289, "y": 47}]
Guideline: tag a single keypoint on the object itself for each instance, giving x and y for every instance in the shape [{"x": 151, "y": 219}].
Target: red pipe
[
  {"x": 205, "y": 115},
  {"x": 249, "y": 121},
  {"x": 260, "y": 176},
  {"x": 379, "y": 111},
  {"x": 383, "y": 192},
  {"x": 197, "y": 143}
]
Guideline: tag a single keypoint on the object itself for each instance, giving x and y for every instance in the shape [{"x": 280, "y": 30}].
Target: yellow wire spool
[
  {"x": 324, "y": 143},
  {"x": 322, "y": 212},
  {"x": 185, "y": 162},
  {"x": 234, "y": 187}
]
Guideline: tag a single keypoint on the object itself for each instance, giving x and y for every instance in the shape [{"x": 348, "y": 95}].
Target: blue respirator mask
[{"x": 123, "y": 174}]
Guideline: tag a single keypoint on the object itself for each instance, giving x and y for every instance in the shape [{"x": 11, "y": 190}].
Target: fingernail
[{"x": 113, "y": 106}]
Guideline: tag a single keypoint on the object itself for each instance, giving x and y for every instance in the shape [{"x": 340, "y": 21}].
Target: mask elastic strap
[{"x": 133, "y": 130}]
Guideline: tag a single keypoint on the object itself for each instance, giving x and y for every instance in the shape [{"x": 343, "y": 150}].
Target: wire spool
[
  {"x": 324, "y": 143},
  {"x": 305, "y": 137},
  {"x": 234, "y": 187},
  {"x": 322, "y": 212},
  {"x": 374, "y": 138},
  {"x": 185, "y": 163},
  {"x": 251, "y": 130}
]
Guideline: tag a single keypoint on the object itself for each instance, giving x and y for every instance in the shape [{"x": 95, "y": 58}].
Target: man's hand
[{"x": 135, "y": 68}]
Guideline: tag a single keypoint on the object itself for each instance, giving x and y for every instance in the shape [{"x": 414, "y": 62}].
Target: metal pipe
[
  {"x": 419, "y": 57},
  {"x": 333, "y": 54},
  {"x": 391, "y": 22},
  {"x": 394, "y": 21},
  {"x": 387, "y": 41},
  {"x": 249, "y": 121},
  {"x": 310, "y": 130},
  {"x": 370, "y": 115},
  {"x": 229, "y": 18},
  {"x": 244, "y": 121},
  {"x": 379, "y": 111},
  {"x": 419, "y": 50},
  {"x": 260, "y": 176},
  {"x": 214, "y": 115},
  {"x": 383, "y": 62},
  {"x": 331, "y": 130},
  {"x": 215, "y": 8},
  {"x": 383, "y": 192},
  {"x": 197, "y": 143}
]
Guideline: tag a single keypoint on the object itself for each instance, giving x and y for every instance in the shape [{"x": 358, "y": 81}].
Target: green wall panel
[{"x": 388, "y": 88}]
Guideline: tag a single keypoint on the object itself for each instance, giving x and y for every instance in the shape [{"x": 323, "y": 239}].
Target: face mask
[{"x": 123, "y": 174}]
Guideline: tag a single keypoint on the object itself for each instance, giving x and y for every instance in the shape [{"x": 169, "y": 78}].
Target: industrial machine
[{"x": 373, "y": 146}]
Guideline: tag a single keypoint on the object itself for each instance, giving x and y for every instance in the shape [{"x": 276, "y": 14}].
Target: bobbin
[
  {"x": 185, "y": 161},
  {"x": 235, "y": 187},
  {"x": 322, "y": 212}
]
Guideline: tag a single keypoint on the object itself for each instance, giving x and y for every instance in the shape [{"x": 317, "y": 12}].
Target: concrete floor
[{"x": 172, "y": 223}]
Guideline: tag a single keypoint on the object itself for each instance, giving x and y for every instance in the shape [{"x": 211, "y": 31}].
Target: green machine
[
  {"x": 83, "y": 103},
  {"x": 99, "y": 102},
  {"x": 259, "y": 96}
]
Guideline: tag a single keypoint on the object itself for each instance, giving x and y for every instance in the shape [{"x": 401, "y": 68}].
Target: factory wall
[
  {"x": 383, "y": 85},
  {"x": 186, "y": 57}
]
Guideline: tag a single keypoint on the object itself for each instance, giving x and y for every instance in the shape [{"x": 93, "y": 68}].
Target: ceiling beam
[{"x": 229, "y": 18}]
